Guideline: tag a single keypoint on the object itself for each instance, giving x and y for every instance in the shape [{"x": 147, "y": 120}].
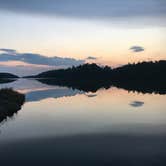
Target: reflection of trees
[
  {"x": 3, "y": 81},
  {"x": 145, "y": 77},
  {"x": 7, "y": 78}
]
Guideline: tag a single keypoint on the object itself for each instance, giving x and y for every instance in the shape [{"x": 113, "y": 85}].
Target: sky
[{"x": 38, "y": 35}]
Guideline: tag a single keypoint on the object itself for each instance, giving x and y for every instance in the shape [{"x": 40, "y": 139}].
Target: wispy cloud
[
  {"x": 37, "y": 59},
  {"x": 137, "y": 104},
  {"x": 9, "y": 51},
  {"x": 91, "y": 58},
  {"x": 137, "y": 49},
  {"x": 87, "y": 8},
  {"x": 91, "y": 95}
]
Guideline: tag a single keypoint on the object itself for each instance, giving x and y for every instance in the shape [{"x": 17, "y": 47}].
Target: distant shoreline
[{"x": 145, "y": 77}]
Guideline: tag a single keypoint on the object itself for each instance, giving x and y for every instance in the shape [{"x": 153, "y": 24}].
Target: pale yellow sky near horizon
[{"x": 107, "y": 40}]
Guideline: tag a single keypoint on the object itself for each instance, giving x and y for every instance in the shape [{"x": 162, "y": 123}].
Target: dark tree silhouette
[
  {"x": 146, "y": 77},
  {"x": 10, "y": 102},
  {"x": 7, "y": 77}
]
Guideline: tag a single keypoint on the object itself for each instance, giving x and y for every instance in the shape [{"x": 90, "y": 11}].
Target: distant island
[
  {"x": 7, "y": 77},
  {"x": 10, "y": 103},
  {"x": 145, "y": 77}
]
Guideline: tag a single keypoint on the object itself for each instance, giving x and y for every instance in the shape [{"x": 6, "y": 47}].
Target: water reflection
[
  {"x": 93, "y": 86},
  {"x": 5, "y": 81},
  {"x": 11, "y": 101},
  {"x": 40, "y": 89},
  {"x": 50, "y": 93},
  {"x": 86, "y": 86},
  {"x": 57, "y": 121},
  {"x": 36, "y": 91},
  {"x": 48, "y": 101}
]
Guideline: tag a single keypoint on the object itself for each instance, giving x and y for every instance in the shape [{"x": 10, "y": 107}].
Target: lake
[{"x": 64, "y": 126}]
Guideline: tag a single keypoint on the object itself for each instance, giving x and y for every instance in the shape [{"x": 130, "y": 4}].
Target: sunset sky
[{"x": 102, "y": 31}]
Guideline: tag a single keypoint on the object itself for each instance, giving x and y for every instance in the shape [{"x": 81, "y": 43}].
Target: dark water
[{"x": 61, "y": 126}]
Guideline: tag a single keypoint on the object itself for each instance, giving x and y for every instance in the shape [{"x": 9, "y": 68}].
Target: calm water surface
[{"x": 114, "y": 124}]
